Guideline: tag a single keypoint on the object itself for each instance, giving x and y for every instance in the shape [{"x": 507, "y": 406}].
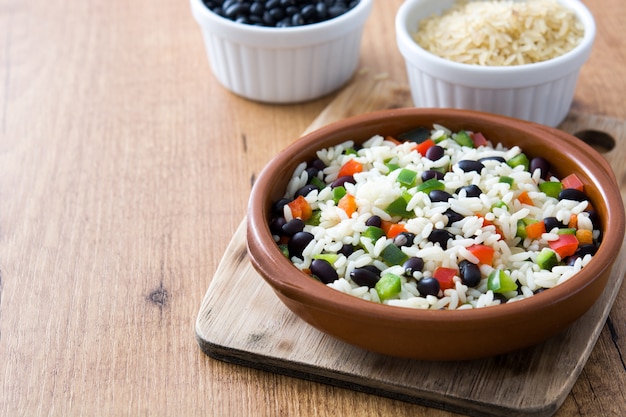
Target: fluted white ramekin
[
  {"x": 283, "y": 65},
  {"x": 540, "y": 92}
]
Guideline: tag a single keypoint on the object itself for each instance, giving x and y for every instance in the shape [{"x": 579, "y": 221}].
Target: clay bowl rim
[{"x": 297, "y": 286}]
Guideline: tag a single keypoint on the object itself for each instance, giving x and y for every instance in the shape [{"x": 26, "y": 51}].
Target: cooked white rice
[
  {"x": 501, "y": 33},
  {"x": 376, "y": 187}
]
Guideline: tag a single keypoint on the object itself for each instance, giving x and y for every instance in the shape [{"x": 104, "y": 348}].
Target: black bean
[
  {"x": 236, "y": 9},
  {"x": 277, "y": 207},
  {"x": 312, "y": 172},
  {"x": 346, "y": 250},
  {"x": 276, "y": 225},
  {"x": 439, "y": 196},
  {"x": 428, "y": 286},
  {"x": 317, "y": 163},
  {"x": 308, "y": 12},
  {"x": 365, "y": 277},
  {"x": 430, "y": 174},
  {"x": 418, "y": 135},
  {"x": 453, "y": 216},
  {"x": 572, "y": 194},
  {"x": 255, "y": 20},
  {"x": 587, "y": 249},
  {"x": 440, "y": 236},
  {"x": 298, "y": 242},
  {"x": 304, "y": 191},
  {"x": 324, "y": 271},
  {"x": 492, "y": 158},
  {"x": 257, "y": 8},
  {"x": 267, "y": 19},
  {"x": 541, "y": 164},
  {"x": 435, "y": 153},
  {"x": 337, "y": 10},
  {"x": 595, "y": 220},
  {"x": 501, "y": 297},
  {"x": 297, "y": 19},
  {"x": 413, "y": 264},
  {"x": 374, "y": 220},
  {"x": 470, "y": 273},
  {"x": 552, "y": 222},
  {"x": 292, "y": 227},
  {"x": 322, "y": 10},
  {"x": 471, "y": 190},
  {"x": 467, "y": 165},
  {"x": 276, "y": 14},
  {"x": 404, "y": 239},
  {"x": 342, "y": 180},
  {"x": 372, "y": 268}
]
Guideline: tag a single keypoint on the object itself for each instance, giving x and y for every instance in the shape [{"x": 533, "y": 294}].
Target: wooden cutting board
[{"x": 242, "y": 321}]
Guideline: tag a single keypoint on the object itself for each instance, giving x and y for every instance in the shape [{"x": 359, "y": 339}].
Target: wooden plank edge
[{"x": 347, "y": 381}]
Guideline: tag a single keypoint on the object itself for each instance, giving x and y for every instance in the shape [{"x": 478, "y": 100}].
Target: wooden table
[{"x": 125, "y": 169}]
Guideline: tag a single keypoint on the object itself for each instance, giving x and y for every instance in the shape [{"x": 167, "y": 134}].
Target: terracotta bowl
[{"x": 439, "y": 334}]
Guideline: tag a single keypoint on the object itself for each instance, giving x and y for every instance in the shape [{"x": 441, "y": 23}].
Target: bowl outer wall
[
  {"x": 449, "y": 334},
  {"x": 519, "y": 76}
]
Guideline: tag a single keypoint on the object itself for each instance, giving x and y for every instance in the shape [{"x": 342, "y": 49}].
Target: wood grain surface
[
  {"x": 242, "y": 321},
  {"x": 125, "y": 170}
]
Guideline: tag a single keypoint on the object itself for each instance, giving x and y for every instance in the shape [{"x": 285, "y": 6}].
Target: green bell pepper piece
[
  {"x": 338, "y": 193},
  {"x": 500, "y": 281},
  {"x": 551, "y": 188},
  {"x": 398, "y": 207},
  {"x": 430, "y": 185},
  {"x": 393, "y": 255},
  {"x": 519, "y": 159},
  {"x": 407, "y": 177},
  {"x": 463, "y": 138},
  {"x": 331, "y": 258},
  {"x": 547, "y": 259},
  {"x": 388, "y": 286},
  {"x": 373, "y": 232}
]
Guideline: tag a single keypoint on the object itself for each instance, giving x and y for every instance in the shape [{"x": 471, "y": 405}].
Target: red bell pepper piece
[
  {"x": 348, "y": 204},
  {"x": 535, "y": 230},
  {"x": 484, "y": 253},
  {"x": 392, "y": 229},
  {"x": 565, "y": 245},
  {"x": 445, "y": 276},
  {"x": 300, "y": 208},
  {"x": 424, "y": 146},
  {"x": 524, "y": 198},
  {"x": 572, "y": 181},
  {"x": 350, "y": 168},
  {"x": 479, "y": 139}
]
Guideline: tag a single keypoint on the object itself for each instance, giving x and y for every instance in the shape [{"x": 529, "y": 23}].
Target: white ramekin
[
  {"x": 539, "y": 92},
  {"x": 283, "y": 65}
]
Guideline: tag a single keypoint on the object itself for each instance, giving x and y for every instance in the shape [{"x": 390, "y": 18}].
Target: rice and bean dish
[
  {"x": 501, "y": 32},
  {"x": 435, "y": 219}
]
